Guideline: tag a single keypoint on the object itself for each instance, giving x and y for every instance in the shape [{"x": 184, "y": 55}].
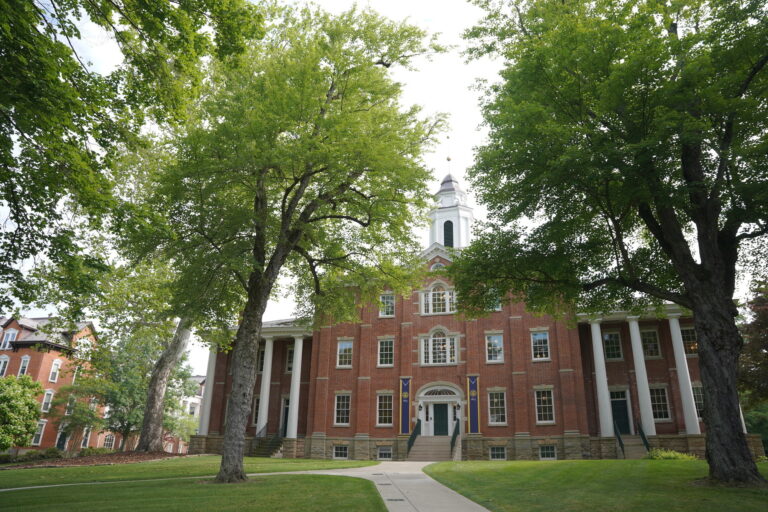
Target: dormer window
[
  {"x": 438, "y": 300},
  {"x": 8, "y": 337}
]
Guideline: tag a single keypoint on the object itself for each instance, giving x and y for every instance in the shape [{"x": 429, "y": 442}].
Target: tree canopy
[
  {"x": 19, "y": 410},
  {"x": 626, "y": 165},
  {"x": 61, "y": 121}
]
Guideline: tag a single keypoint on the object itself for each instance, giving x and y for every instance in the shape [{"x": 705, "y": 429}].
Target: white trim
[
  {"x": 24, "y": 365},
  {"x": 654, "y": 330},
  {"x": 549, "y": 346},
  {"x": 501, "y": 338},
  {"x": 5, "y": 361},
  {"x": 336, "y": 408},
  {"x": 391, "y": 409},
  {"x": 382, "y": 306},
  {"x": 606, "y": 333},
  {"x": 49, "y": 393},
  {"x": 500, "y": 423},
  {"x": 536, "y": 406},
  {"x": 490, "y": 452},
  {"x": 379, "y": 364},
  {"x": 57, "y": 365},
  {"x": 9, "y": 335},
  {"x": 41, "y": 428},
  {"x": 351, "y": 354},
  {"x": 554, "y": 446}
]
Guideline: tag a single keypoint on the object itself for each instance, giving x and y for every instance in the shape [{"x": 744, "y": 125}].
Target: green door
[{"x": 441, "y": 419}]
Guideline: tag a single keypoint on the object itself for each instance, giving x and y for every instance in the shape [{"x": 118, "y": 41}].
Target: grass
[
  {"x": 177, "y": 467},
  {"x": 605, "y": 485},
  {"x": 279, "y": 493}
]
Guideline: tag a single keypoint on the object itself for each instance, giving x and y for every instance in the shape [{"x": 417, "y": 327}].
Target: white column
[
  {"x": 641, "y": 375},
  {"x": 205, "y": 413},
  {"x": 683, "y": 377},
  {"x": 293, "y": 406},
  {"x": 601, "y": 381},
  {"x": 266, "y": 377}
]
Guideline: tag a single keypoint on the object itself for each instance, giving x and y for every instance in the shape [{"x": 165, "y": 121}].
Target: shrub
[
  {"x": 664, "y": 454},
  {"x": 762, "y": 458},
  {"x": 32, "y": 455},
  {"x": 86, "y": 452}
]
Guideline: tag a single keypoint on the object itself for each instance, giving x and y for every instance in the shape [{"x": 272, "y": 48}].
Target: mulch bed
[{"x": 95, "y": 460}]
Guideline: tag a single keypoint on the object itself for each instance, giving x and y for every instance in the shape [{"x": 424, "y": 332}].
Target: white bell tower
[{"x": 451, "y": 218}]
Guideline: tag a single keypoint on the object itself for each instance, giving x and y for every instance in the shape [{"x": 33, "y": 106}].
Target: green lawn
[
  {"x": 595, "y": 486},
  {"x": 168, "y": 468},
  {"x": 289, "y": 493}
]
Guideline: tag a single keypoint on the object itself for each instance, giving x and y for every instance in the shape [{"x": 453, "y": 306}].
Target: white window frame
[
  {"x": 386, "y": 301},
  {"x": 53, "y": 376},
  {"x": 111, "y": 438},
  {"x": 345, "y": 448},
  {"x": 386, "y": 447},
  {"x": 429, "y": 348},
  {"x": 439, "y": 294},
  {"x": 534, "y": 334},
  {"x": 503, "y": 451},
  {"x": 554, "y": 450},
  {"x": 699, "y": 404},
  {"x": 70, "y": 406},
  {"x": 45, "y": 405},
  {"x": 658, "y": 343},
  {"x": 86, "y": 437},
  {"x": 504, "y": 400},
  {"x": 289, "y": 360},
  {"x": 381, "y": 342},
  {"x": 256, "y": 403},
  {"x": 537, "y": 405},
  {"x": 488, "y": 337},
  {"x": 606, "y": 335},
  {"x": 5, "y": 361},
  {"x": 24, "y": 366},
  {"x": 668, "y": 419},
  {"x": 260, "y": 359},
  {"x": 683, "y": 330},
  {"x": 339, "y": 345},
  {"x": 8, "y": 336},
  {"x": 336, "y": 409},
  {"x": 39, "y": 432},
  {"x": 379, "y": 409}
]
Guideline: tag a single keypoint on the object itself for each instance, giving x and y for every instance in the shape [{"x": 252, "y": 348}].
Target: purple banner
[
  {"x": 405, "y": 405},
  {"x": 473, "y": 418}
]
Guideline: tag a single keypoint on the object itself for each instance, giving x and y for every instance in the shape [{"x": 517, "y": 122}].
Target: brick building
[
  {"x": 511, "y": 385},
  {"x": 29, "y": 346}
]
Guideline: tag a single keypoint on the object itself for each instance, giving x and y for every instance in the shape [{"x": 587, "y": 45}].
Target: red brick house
[{"x": 412, "y": 379}]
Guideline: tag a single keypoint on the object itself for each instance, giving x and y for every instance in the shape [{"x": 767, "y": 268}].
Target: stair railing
[
  {"x": 412, "y": 438},
  {"x": 456, "y": 429},
  {"x": 642, "y": 436},
  {"x": 619, "y": 440}
]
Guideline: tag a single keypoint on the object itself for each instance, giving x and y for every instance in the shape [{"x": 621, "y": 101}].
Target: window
[
  {"x": 386, "y": 353},
  {"x": 289, "y": 360},
  {"x": 494, "y": 348},
  {"x": 38, "y": 437},
  {"x": 70, "y": 406},
  {"x": 387, "y": 306},
  {"x": 690, "y": 344},
  {"x": 612, "y": 346},
  {"x": 698, "y": 399},
  {"x": 86, "y": 437},
  {"x": 547, "y": 452},
  {"x": 448, "y": 233},
  {"x": 438, "y": 301},
  {"x": 8, "y": 337},
  {"x": 3, "y": 365},
  {"x": 74, "y": 373},
  {"x": 659, "y": 404},
  {"x": 192, "y": 409},
  {"x": 24, "y": 366},
  {"x": 438, "y": 349},
  {"x": 341, "y": 413},
  {"x": 384, "y": 410},
  {"x": 545, "y": 409},
  {"x": 650, "y": 340},
  {"x": 344, "y": 354},
  {"x": 54, "y": 375},
  {"x": 498, "y": 453},
  {"x": 256, "y": 402},
  {"x": 497, "y": 408},
  {"x": 260, "y": 363},
  {"x": 109, "y": 441},
  {"x": 340, "y": 452},
  {"x": 540, "y": 345},
  {"x": 47, "y": 399},
  {"x": 437, "y": 266},
  {"x": 384, "y": 452}
]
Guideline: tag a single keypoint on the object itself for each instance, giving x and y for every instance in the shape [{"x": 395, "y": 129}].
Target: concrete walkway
[{"x": 403, "y": 486}]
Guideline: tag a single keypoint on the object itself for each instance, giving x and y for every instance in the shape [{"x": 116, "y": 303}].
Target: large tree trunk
[
  {"x": 244, "y": 371},
  {"x": 151, "y": 438},
  {"x": 720, "y": 344}
]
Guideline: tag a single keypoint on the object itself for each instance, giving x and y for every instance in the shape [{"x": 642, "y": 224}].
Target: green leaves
[{"x": 19, "y": 410}]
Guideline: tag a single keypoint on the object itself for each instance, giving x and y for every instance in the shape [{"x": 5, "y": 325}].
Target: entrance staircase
[
  {"x": 266, "y": 446},
  {"x": 633, "y": 447},
  {"x": 431, "y": 448}
]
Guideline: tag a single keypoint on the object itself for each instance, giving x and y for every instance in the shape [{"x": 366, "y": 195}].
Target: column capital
[
  {"x": 298, "y": 338},
  {"x": 596, "y": 320},
  {"x": 633, "y": 318},
  {"x": 674, "y": 315},
  {"x": 268, "y": 338}
]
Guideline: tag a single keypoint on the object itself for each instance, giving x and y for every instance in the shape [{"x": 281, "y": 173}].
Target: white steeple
[{"x": 451, "y": 218}]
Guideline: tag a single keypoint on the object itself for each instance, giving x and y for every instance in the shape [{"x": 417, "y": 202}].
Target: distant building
[
  {"x": 190, "y": 406},
  {"x": 413, "y": 379}
]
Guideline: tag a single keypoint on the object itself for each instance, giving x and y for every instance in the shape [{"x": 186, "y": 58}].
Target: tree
[
  {"x": 301, "y": 162},
  {"x": 19, "y": 410},
  {"x": 61, "y": 121},
  {"x": 753, "y": 368},
  {"x": 626, "y": 165},
  {"x": 75, "y": 408}
]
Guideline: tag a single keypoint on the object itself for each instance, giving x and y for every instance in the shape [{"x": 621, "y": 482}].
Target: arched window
[
  {"x": 437, "y": 298},
  {"x": 448, "y": 233},
  {"x": 438, "y": 349}
]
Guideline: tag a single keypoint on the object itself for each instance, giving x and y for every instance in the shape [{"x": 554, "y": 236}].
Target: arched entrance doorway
[{"x": 438, "y": 407}]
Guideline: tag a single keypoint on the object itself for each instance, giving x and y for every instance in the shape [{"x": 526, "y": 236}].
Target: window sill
[
  {"x": 498, "y": 424},
  {"x": 343, "y": 367},
  {"x": 438, "y": 314},
  {"x": 542, "y": 360},
  {"x": 438, "y": 364},
  {"x": 494, "y": 362},
  {"x": 545, "y": 423},
  {"x": 341, "y": 424},
  {"x": 386, "y": 316},
  {"x": 385, "y": 366},
  {"x": 385, "y": 425}
]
